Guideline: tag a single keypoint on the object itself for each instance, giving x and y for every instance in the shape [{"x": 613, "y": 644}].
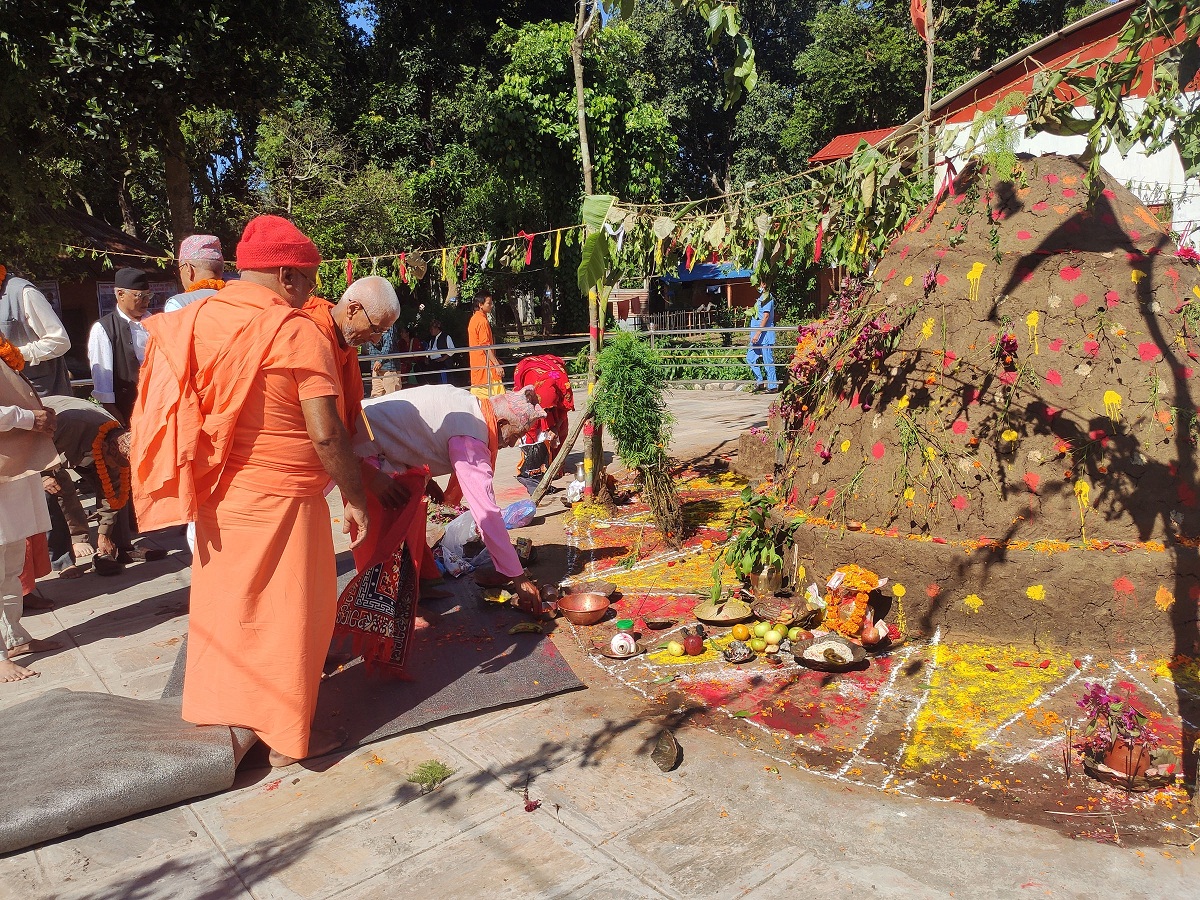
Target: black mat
[
  {"x": 74, "y": 759},
  {"x": 467, "y": 663}
]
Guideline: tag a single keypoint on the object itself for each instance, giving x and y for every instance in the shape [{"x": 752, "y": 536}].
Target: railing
[
  {"x": 718, "y": 351},
  {"x": 689, "y": 320}
]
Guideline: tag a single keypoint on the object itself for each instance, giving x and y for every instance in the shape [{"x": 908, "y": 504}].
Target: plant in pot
[
  {"x": 756, "y": 554},
  {"x": 721, "y": 606},
  {"x": 1118, "y": 743}
]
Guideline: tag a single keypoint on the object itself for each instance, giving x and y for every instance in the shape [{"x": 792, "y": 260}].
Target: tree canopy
[{"x": 384, "y": 126}]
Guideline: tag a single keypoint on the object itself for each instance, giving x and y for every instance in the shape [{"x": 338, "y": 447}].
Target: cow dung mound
[{"x": 1006, "y": 424}]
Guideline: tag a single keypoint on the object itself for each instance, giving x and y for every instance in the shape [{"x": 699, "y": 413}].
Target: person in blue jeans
[{"x": 762, "y": 342}]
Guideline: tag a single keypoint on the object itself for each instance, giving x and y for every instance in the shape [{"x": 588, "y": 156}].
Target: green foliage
[
  {"x": 758, "y": 543},
  {"x": 630, "y": 403},
  {"x": 430, "y": 774}
]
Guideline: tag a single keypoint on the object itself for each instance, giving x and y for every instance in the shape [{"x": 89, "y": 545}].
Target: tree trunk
[
  {"x": 129, "y": 223},
  {"x": 180, "y": 199},
  {"x": 582, "y": 21}
]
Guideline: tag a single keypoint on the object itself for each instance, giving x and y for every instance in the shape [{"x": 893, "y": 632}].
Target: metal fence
[{"x": 690, "y": 355}]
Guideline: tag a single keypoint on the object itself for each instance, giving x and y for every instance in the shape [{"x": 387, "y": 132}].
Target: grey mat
[
  {"x": 467, "y": 663},
  {"x": 74, "y": 759}
]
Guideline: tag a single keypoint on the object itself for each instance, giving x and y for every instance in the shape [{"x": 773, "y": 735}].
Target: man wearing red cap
[{"x": 237, "y": 429}]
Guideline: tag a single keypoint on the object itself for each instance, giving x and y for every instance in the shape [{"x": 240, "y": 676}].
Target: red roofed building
[
  {"x": 845, "y": 144},
  {"x": 1157, "y": 179}
]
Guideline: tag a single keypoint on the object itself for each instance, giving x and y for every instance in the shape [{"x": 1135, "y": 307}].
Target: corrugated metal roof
[{"x": 844, "y": 144}]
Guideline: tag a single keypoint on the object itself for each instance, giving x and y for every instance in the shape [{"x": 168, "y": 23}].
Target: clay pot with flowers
[{"x": 1118, "y": 744}]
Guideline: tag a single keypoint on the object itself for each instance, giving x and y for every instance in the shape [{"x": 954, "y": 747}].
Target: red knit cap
[{"x": 272, "y": 241}]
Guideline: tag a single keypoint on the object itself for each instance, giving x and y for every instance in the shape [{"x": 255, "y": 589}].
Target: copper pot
[{"x": 584, "y": 609}]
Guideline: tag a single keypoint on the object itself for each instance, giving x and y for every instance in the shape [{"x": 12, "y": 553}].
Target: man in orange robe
[
  {"x": 236, "y": 428},
  {"x": 487, "y": 374},
  {"x": 364, "y": 314}
]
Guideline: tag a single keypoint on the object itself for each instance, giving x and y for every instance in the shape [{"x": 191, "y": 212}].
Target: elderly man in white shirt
[
  {"x": 117, "y": 345},
  {"x": 28, "y": 322}
]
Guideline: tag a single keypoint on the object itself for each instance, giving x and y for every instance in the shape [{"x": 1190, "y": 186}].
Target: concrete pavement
[{"x": 609, "y": 824}]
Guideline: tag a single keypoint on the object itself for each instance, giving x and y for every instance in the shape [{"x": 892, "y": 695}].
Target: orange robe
[
  {"x": 219, "y": 438},
  {"x": 479, "y": 334},
  {"x": 350, "y": 401}
]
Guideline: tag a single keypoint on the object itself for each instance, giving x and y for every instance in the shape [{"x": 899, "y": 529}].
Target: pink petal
[
  {"x": 878, "y": 450},
  {"x": 1054, "y": 377},
  {"x": 1056, "y": 345},
  {"x": 959, "y": 427},
  {"x": 1041, "y": 206},
  {"x": 1079, "y": 299},
  {"x": 959, "y": 502},
  {"x": 1069, "y": 273},
  {"x": 1091, "y": 348},
  {"x": 943, "y": 279},
  {"x": 1112, "y": 298},
  {"x": 1148, "y": 350},
  {"x": 1068, "y": 192},
  {"x": 1009, "y": 378},
  {"x": 1032, "y": 480},
  {"x": 1023, "y": 235}
]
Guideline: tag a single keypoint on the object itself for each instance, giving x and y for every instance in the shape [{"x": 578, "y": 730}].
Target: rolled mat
[
  {"x": 74, "y": 759},
  {"x": 467, "y": 663}
]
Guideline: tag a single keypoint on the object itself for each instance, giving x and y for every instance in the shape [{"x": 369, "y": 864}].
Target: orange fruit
[{"x": 741, "y": 633}]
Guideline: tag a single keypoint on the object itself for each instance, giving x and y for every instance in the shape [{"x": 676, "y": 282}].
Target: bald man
[{"x": 366, "y": 311}]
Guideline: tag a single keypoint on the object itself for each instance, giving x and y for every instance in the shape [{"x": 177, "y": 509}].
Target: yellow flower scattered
[
  {"x": 902, "y": 403},
  {"x": 898, "y": 590},
  {"x": 909, "y": 493},
  {"x": 1036, "y": 592},
  {"x": 972, "y": 602},
  {"x": 1009, "y": 435},
  {"x": 845, "y": 446}
]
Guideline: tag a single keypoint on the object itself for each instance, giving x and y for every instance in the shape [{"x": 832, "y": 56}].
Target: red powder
[
  {"x": 1056, "y": 345},
  {"x": 1054, "y": 377},
  {"x": 1069, "y": 273}
]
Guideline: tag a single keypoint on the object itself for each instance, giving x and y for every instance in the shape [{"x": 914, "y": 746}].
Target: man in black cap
[{"x": 117, "y": 345}]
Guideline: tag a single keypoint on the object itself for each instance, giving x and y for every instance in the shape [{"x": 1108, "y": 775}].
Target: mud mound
[{"x": 1010, "y": 417}]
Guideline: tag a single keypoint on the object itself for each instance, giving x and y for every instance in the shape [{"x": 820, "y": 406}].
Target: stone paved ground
[{"x": 610, "y": 824}]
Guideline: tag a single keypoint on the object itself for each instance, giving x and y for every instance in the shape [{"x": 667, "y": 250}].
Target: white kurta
[
  {"x": 52, "y": 341},
  {"x": 100, "y": 355},
  {"x": 23, "y": 510}
]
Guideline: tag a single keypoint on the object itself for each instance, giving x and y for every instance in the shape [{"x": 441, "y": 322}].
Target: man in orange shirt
[
  {"x": 236, "y": 428},
  {"x": 487, "y": 374},
  {"x": 366, "y": 311}
]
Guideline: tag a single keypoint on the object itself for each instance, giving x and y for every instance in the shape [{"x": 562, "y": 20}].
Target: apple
[
  {"x": 794, "y": 633},
  {"x": 758, "y": 645},
  {"x": 761, "y": 628},
  {"x": 774, "y": 636},
  {"x": 675, "y": 648}
]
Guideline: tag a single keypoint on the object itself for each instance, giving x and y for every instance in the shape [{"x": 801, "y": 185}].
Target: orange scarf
[{"x": 452, "y": 496}]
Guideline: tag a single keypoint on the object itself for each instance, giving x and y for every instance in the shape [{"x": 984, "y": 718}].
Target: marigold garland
[
  {"x": 12, "y": 357},
  {"x": 854, "y": 589},
  {"x": 116, "y": 499},
  {"x": 207, "y": 284}
]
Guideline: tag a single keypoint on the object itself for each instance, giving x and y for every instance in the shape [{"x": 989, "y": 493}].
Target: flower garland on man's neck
[
  {"x": 10, "y": 354},
  {"x": 207, "y": 284},
  {"x": 117, "y": 498}
]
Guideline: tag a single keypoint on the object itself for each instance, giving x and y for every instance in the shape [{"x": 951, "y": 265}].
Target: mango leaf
[{"x": 715, "y": 235}]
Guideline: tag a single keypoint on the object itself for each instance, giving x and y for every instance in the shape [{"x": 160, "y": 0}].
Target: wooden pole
[
  {"x": 926, "y": 123},
  {"x": 593, "y": 459},
  {"x": 564, "y": 451}
]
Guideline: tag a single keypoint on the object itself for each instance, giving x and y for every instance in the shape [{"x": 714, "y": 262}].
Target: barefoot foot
[
  {"x": 320, "y": 743},
  {"x": 34, "y": 646},
  {"x": 10, "y": 671}
]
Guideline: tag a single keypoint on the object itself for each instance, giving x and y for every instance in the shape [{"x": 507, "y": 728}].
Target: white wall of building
[{"x": 1154, "y": 178}]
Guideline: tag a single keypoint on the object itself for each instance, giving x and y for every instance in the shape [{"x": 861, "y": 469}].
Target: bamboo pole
[{"x": 926, "y": 121}]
